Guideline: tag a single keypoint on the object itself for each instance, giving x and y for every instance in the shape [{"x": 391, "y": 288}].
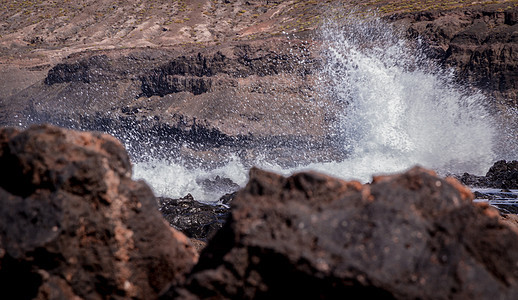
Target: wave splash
[
  {"x": 399, "y": 106},
  {"x": 398, "y": 109}
]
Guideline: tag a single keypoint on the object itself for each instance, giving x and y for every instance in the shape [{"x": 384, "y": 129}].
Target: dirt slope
[{"x": 226, "y": 72}]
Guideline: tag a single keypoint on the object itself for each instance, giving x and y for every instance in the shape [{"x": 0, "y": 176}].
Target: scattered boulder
[
  {"x": 219, "y": 184},
  {"x": 73, "y": 224},
  {"x": 195, "y": 219},
  {"x": 472, "y": 180},
  {"x": 502, "y": 175},
  {"x": 406, "y": 236}
]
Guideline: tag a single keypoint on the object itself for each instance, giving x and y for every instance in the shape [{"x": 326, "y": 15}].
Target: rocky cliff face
[
  {"x": 238, "y": 96},
  {"x": 481, "y": 46},
  {"x": 235, "y": 80}
]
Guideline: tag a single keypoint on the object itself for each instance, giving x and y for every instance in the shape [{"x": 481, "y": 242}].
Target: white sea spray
[{"x": 398, "y": 109}]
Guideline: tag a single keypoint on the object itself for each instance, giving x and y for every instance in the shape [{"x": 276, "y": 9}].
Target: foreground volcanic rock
[
  {"x": 309, "y": 236},
  {"x": 74, "y": 224}
]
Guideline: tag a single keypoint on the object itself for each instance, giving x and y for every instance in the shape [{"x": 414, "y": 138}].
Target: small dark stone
[
  {"x": 195, "y": 219},
  {"x": 227, "y": 198},
  {"x": 219, "y": 184}
]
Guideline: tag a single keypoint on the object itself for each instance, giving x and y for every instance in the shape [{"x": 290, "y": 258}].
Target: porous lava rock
[
  {"x": 502, "y": 175},
  {"x": 407, "y": 236},
  {"x": 195, "y": 219},
  {"x": 479, "y": 43},
  {"x": 73, "y": 224}
]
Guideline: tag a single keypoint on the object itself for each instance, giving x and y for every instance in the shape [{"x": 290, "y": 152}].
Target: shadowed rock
[
  {"x": 309, "y": 236},
  {"x": 502, "y": 175},
  {"x": 196, "y": 220},
  {"x": 74, "y": 224},
  {"x": 480, "y": 44}
]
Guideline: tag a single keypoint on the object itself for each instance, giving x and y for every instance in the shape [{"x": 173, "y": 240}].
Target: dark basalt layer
[{"x": 195, "y": 73}]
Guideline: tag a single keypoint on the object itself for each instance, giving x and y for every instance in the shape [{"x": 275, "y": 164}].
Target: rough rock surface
[
  {"x": 74, "y": 224},
  {"x": 195, "y": 219},
  {"x": 407, "y": 236},
  {"x": 205, "y": 98},
  {"x": 480, "y": 44},
  {"x": 502, "y": 175}
]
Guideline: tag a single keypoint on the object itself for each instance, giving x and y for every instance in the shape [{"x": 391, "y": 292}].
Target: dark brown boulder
[
  {"x": 503, "y": 174},
  {"x": 74, "y": 224},
  {"x": 309, "y": 236},
  {"x": 196, "y": 220}
]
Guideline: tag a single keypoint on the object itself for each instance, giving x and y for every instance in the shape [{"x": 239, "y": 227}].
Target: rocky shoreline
[
  {"x": 189, "y": 81},
  {"x": 201, "y": 221},
  {"x": 209, "y": 95},
  {"x": 74, "y": 224}
]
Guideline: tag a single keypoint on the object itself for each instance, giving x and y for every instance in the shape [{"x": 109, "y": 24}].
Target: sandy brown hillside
[
  {"x": 37, "y": 34},
  {"x": 44, "y": 30},
  {"x": 219, "y": 70}
]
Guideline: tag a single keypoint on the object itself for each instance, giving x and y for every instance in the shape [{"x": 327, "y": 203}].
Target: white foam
[
  {"x": 175, "y": 180},
  {"x": 402, "y": 110},
  {"x": 399, "y": 110}
]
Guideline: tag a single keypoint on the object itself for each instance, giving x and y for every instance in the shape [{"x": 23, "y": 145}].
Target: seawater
[{"x": 398, "y": 110}]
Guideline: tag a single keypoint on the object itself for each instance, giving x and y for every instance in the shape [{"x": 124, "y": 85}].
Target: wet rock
[
  {"x": 73, "y": 224},
  {"x": 479, "y": 43},
  {"x": 502, "y": 175},
  {"x": 504, "y": 200},
  {"x": 406, "y": 236},
  {"x": 219, "y": 184},
  {"x": 227, "y": 198},
  {"x": 507, "y": 208},
  {"x": 195, "y": 219},
  {"x": 473, "y": 180}
]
